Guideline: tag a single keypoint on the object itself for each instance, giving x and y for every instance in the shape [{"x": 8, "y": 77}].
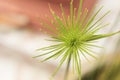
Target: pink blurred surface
[{"x": 35, "y": 9}]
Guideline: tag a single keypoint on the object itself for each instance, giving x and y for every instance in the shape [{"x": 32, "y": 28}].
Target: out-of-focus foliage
[{"x": 110, "y": 70}]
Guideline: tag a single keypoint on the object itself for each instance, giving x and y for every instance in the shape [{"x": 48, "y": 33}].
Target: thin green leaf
[
  {"x": 88, "y": 52},
  {"x": 50, "y": 47},
  {"x": 100, "y": 36},
  {"x": 54, "y": 50},
  {"x": 92, "y": 19},
  {"x": 61, "y": 62}
]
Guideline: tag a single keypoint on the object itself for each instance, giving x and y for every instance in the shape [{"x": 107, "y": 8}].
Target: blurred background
[{"x": 21, "y": 35}]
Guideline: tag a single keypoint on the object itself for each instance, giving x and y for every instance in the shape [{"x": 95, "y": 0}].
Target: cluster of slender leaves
[
  {"x": 74, "y": 35},
  {"x": 107, "y": 70}
]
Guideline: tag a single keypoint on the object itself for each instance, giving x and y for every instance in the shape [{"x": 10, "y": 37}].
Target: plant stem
[{"x": 67, "y": 68}]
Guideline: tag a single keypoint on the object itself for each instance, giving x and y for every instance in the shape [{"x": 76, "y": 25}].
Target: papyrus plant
[{"x": 75, "y": 35}]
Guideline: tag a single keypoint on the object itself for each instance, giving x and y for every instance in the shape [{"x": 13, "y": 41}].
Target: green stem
[{"x": 67, "y": 68}]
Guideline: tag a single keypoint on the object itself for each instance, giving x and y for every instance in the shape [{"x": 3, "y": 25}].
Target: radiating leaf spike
[{"x": 51, "y": 9}]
